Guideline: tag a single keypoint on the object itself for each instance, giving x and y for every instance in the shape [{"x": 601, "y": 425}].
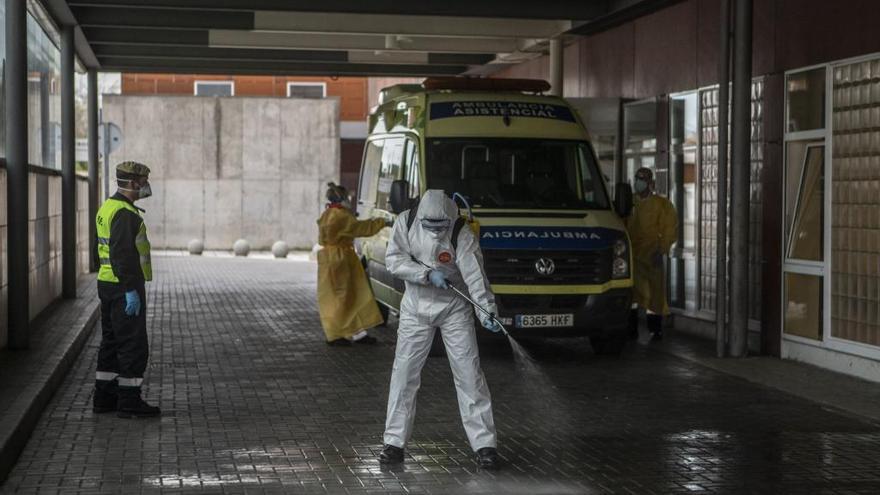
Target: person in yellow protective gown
[
  {"x": 345, "y": 300},
  {"x": 652, "y": 229}
]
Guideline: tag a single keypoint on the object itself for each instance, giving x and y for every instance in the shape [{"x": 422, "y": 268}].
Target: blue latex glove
[
  {"x": 490, "y": 324},
  {"x": 132, "y": 303},
  {"x": 437, "y": 279}
]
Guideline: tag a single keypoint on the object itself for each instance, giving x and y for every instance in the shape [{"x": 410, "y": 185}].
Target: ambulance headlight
[{"x": 620, "y": 260}]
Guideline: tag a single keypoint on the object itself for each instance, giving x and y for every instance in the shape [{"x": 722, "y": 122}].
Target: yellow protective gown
[
  {"x": 652, "y": 227},
  {"x": 345, "y": 300}
]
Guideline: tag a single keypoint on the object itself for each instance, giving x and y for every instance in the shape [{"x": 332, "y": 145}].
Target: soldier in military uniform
[{"x": 124, "y": 256}]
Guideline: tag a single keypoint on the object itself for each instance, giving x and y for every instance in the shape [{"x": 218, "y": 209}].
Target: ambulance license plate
[{"x": 539, "y": 321}]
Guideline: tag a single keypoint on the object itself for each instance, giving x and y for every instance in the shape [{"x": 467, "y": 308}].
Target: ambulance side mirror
[
  {"x": 623, "y": 199},
  {"x": 399, "y": 196}
]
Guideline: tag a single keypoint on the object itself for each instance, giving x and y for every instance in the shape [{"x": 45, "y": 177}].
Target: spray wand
[{"x": 468, "y": 299}]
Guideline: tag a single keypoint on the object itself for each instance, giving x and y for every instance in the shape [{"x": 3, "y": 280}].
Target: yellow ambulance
[{"x": 521, "y": 164}]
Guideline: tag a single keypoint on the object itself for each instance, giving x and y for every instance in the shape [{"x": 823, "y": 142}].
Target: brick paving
[{"x": 254, "y": 402}]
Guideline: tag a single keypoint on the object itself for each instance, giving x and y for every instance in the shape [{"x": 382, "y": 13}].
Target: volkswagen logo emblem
[{"x": 545, "y": 266}]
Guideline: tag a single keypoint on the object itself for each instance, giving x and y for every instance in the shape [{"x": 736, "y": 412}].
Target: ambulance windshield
[{"x": 517, "y": 173}]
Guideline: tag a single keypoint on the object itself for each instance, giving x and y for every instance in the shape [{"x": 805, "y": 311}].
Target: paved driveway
[{"x": 254, "y": 402}]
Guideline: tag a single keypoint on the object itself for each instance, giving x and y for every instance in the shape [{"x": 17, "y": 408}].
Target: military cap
[{"x": 130, "y": 170}]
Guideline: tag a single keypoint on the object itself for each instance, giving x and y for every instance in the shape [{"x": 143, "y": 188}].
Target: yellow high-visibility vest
[{"x": 103, "y": 221}]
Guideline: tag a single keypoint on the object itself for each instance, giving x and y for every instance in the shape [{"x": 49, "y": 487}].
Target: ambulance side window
[
  {"x": 412, "y": 169},
  {"x": 370, "y": 172},
  {"x": 390, "y": 170}
]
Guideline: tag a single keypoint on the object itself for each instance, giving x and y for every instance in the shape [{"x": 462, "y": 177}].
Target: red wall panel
[
  {"x": 665, "y": 58},
  {"x": 351, "y": 91},
  {"x": 607, "y": 63}
]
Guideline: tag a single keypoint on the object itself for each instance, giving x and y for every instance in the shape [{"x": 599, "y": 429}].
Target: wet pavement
[{"x": 255, "y": 402}]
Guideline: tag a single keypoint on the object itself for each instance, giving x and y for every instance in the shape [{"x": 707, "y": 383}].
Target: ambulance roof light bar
[{"x": 486, "y": 84}]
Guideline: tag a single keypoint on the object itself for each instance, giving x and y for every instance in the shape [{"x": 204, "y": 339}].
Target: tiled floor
[{"x": 254, "y": 402}]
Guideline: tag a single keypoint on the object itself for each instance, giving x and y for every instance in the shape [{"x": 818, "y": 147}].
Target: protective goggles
[{"x": 435, "y": 225}]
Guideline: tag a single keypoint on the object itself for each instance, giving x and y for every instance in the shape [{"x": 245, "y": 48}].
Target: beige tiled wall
[{"x": 44, "y": 243}]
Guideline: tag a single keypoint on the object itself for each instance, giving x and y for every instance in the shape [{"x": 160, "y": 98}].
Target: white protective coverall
[{"x": 426, "y": 308}]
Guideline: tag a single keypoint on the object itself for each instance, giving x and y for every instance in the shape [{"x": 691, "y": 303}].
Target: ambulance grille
[
  {"x": 515, "y": 267},
  {"x": 519, "y": 302}
]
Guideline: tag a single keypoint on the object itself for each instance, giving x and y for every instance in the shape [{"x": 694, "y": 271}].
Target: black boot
[
  {"x": 655, "y": 326},
  {"x": 634, "y": 324},
  {"x": 487, "y": 458},
  {"x": 105, "y": 398},
  {"x": 391, "y": 455},
  {"x": 366, "y": 340},
  {"x": 132, "y": 406}
]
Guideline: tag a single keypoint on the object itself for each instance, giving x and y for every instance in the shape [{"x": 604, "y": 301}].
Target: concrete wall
[
  {"x": 230, "y": 168},
  {"x": 44, "y": 231}
]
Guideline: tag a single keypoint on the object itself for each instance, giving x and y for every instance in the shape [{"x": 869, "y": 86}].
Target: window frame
[
  {"x": 796, "y": 212},
  {"x": 821, "y": 269},
  {"x": 292, "y": 84},
  {"x": 824, "y": 269},
  {"x": 203, "y": 82},
  {"x": 415, "y": 190},
  {"x": 391, "y": 141},
  {"x": 371, "y": 202}
]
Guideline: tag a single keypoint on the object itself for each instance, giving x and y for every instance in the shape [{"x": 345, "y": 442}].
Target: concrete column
[
  {"x": 740, "y": 174},
  {"x": 556, "y": 67},
  {"x": 721, "y": 229},
  {"x": 68, "y": 166},
  {"x": 92, "y": 110},
  {"x": 17, "y": 172}
]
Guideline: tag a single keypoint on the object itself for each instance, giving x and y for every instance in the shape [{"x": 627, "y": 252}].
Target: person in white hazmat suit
[{"x": 428, "y": 304}]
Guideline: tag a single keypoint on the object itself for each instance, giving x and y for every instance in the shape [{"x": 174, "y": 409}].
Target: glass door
[
  {"x": 640, "y": 139},
  {"x": 683, "y": 145}
]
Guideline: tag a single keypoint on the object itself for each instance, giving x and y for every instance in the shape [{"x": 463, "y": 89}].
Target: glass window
[
  {"x": 370, "y": 172},
  {"x": 803, "y": 305},
  {"x": 306, "y": 90},
  {"x": 413, "y": 172},
  {"x": 3, "y": 80},
  {"x": 517, "y": 173},
  {"x": 214, "y": 88},
  {"x": 855, "y": 200},
  {"x": 805, "y": 100},
  {"x": 390, "y": 170},
  {"x": 44, "y": 97},
  {"x": 805, "y": 206}
]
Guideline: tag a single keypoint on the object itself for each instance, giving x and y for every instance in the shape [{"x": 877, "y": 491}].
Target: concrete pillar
[
  {"x": 740, "y": 174},
  {"x": 556, "y": 67},
  {"x": 68, "y": 166},
  {"x": 92, "y": 109},
  {"x": 17, "y": 172},
  {"x": 721, "y": 232}
]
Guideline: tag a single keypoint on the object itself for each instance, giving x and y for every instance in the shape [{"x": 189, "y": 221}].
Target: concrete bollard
[
  {"x": 195, "y": 247},
  {"x": 241, "y": 247},
  {"x": 280, "y": 249}
]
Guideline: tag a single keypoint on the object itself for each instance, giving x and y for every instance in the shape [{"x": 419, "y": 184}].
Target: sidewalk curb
[
  {"x": 777, "y": 374},
  {"x": 16, "y": 430}
]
